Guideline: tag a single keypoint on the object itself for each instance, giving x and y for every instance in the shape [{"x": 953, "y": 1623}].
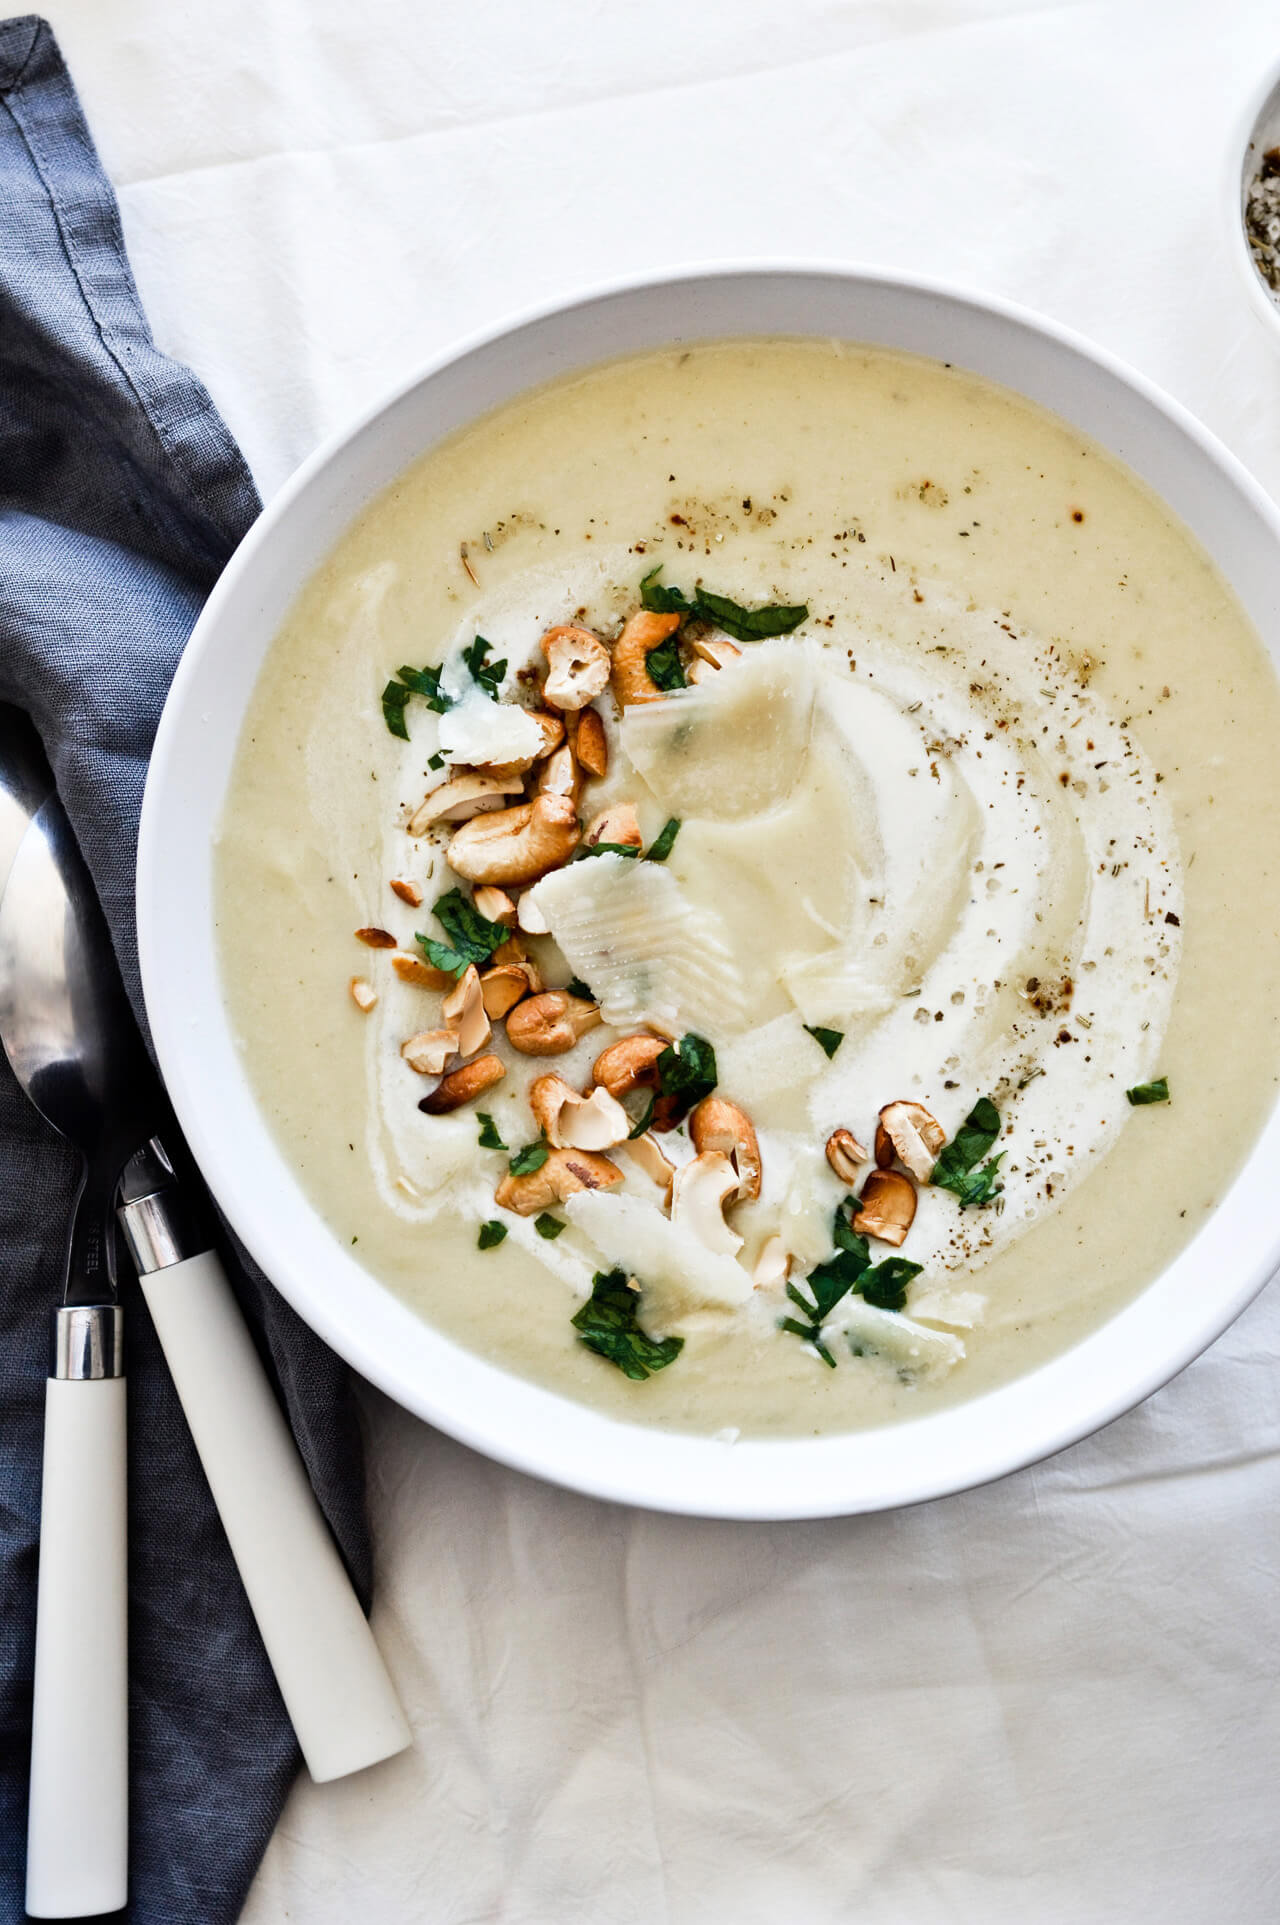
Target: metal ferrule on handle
[
  {"x": 88, "y": 1342},
  {"x": 330, "y": 1672}
]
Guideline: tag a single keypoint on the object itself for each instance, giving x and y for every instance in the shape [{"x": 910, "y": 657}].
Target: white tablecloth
[{"x": 1051, "y": 1702}]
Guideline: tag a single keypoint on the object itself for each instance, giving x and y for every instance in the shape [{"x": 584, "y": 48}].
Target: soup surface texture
[{"x": 991, "y": 818}]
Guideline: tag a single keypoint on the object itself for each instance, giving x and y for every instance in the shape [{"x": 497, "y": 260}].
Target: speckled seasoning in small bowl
[{"x": 1253, "y": 188}]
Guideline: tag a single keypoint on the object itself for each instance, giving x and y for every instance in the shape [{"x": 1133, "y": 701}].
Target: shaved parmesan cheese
[
  {"x": 677, "y": 1275},
  {"x": 807, "y": 1203},
  {"x": 911, "y": 1346},
  {"x": 836, "y": 988},
  {"x": 732, "y": 746},
  {"x": 959, "y": 1309},
  {"x": 477, "y": 731},
  {"x": 627, "y": 928}
]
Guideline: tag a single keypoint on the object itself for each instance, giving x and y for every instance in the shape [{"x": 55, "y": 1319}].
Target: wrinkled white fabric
[{"x": 1051, "y": 1702}]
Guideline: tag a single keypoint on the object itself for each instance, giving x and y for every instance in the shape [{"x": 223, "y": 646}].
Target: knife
[{"x": 330, "y": 1672}]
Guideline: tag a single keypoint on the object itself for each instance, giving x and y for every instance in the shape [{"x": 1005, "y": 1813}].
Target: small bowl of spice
[{"x": 1255, "y": 202}]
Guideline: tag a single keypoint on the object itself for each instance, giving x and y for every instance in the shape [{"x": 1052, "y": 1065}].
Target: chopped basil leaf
[
  {"x": 426, "y": 683},
  {"x": 664, "y": 842},
  {"x": 664, "y": 665},
  {"x": 607, "y": 1324},
  {"x": 743, "y": 624},
  {"x": 843, "y": 1234},
  {"x": 606, "y": 849},
  {"x": 828, "y": 1040},
  {"x": 466, "y": 928},
  {"x": 435, "y": 761},
  {"x": 882, "y": 1284},
  {"x": 810, "y": 1334},
  {"x": 488, "y": 675},
  {"x": 489, "y": 1138},
  {"x": 578, "y": 988},
  {"x": 661, "y": 600},
  {"x": 828, "y": 1282},
  {"x": 974, "y": 1138},
  {"x": 442, "y": 956},
  {"x": 885, "y": 1284},
  {"x": 473, "y": 936},
  {"x": 643, "y": 1121},
  {"x": 412, "y": 681},
  {"x": 956, "y": 1168},
  {"x": 976, "y": 1186},
  {"x": 395, "y": 698},
  {"x": 530, "y": 1158},
  {"x": 491, "y": 1234},
  {"x": 1157, "y": 1092},
  {"x": 548, "y": 1226},
  {"x": 687, "y": 1070},
  {"x": 749, "y": 624}
]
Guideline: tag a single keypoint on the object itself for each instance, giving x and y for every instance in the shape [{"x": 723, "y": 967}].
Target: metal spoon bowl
[{"x": 68, "y": 1032}]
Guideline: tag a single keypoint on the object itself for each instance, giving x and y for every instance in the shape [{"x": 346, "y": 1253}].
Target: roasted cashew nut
[
  {"x": 653, "y": 1160},
  {"x": 569, "y": 1120},
  {"x": 916, "y": 1136},
  {"x": 550, "y": 1024},
  {"x": 845, "y": 1155},
  {"x": 563, "y": 1175},
  {"x": 577, "y": 667},
  {"x": 632, "y": 1063},
  {"x": 505, "y": 985},
  {"x": 530, "y": 918},
  {"x": 887, "y": 1207},
  {"x": 628, "y": 1064},
  {"x": 463, "y": 1010},
  {"x": 590, "y": 745},
  {"x": 424, "y": 975},
  {"x": 769, "y": 1272},
  {"x": 698, "y": 1196},
  {"x": 363, "y": 993},
  {"x": 715, "y": 650},
  {"x": 494, "y": 904},
  {"x": 559, "y": 775},
  {"x": 516, "y": 845},
  {"x": 464, "y": 1085},
  {"x": 618, "y": 824},
  {"x": 632, "y": 681},
  {"x": 461, "y": 797},
  {"x": 430, "y": 1050},
  {"x": 715, "y": 1124},
  {"x": 714, "y": 653}
]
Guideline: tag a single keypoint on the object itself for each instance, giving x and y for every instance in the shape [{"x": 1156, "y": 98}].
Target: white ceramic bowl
[
  {"x": 1258, "y": 131},
  {"x": 515, "y": 1421}
]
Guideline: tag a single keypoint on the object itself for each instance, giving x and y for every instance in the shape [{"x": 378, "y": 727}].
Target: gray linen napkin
[{"x": 121, "y": 497}]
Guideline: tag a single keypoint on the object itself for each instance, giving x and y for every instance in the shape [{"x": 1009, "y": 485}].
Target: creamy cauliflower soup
[{"x": 748, "y": 891}]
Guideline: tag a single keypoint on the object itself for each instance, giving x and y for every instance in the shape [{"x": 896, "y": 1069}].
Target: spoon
[{"x": 70, "y": 1040}]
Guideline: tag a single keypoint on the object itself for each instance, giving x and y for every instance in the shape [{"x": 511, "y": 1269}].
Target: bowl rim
[
  {"x": 1265, "y": 306},
  {"x": 642, "y": 1464}
]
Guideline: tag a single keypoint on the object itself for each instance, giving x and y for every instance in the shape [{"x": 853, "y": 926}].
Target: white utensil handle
[
  {"x": 330, "y": 1672},
  {"x": 77, "y": 1829}
]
